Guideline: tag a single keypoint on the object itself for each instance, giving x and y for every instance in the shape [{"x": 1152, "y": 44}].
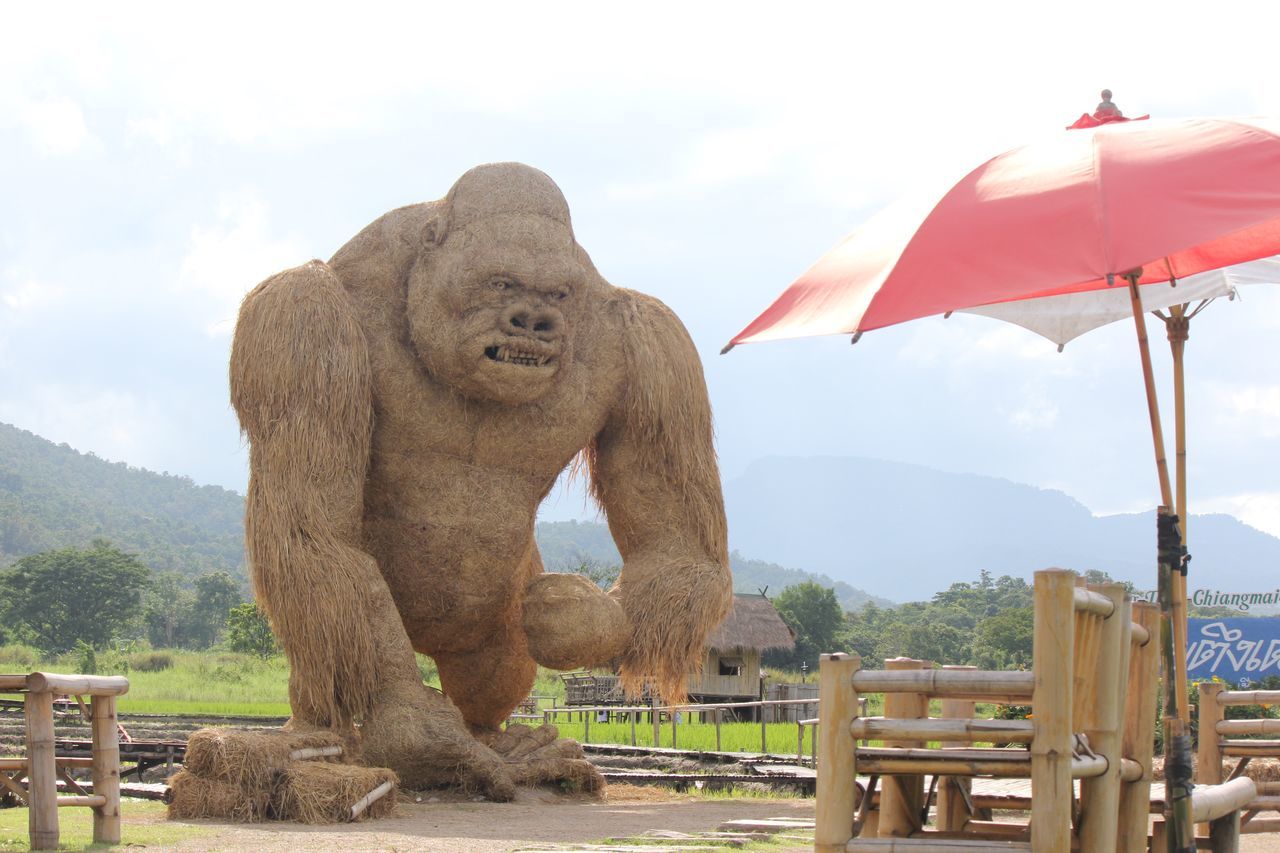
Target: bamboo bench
[
  {"x": 1077, "y": 689},
  {"x": 1221, "y": 739},
  {"x": 42, "y": 767}
]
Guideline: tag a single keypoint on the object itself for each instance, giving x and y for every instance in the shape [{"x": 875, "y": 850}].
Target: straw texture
[{"x": 408, "y": 405}]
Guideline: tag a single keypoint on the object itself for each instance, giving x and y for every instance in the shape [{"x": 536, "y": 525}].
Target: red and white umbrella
[{"x": 1124, "y": 203}]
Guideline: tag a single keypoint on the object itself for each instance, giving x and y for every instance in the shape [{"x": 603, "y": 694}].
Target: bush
[
  {"x": 19, "y": 656},
  {"x": 152, "y": 661}
]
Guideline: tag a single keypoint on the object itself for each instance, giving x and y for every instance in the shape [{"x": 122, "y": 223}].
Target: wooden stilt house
[{"x": 731, "y": 671}]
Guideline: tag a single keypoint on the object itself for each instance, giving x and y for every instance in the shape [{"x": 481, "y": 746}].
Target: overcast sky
[{"x": 156, "y": 163}]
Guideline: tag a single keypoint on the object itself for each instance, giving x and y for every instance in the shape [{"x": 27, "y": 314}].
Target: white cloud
[
  {"x": 115, "y": 424},
  {"x": 228, "y": 257},
  {"x": 1245, "y": 411},
  {"x": 1257, "y": 509},
  {"x": 55, "y": 127},
  {"x": 1037, "y": 412}
]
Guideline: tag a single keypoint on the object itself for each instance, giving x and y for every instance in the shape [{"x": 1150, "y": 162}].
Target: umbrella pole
[
  {"x": 1178, "y": 327},
  {"x": 1177, "y": 744}
]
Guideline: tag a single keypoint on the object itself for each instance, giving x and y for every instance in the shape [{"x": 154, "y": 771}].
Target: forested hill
[
  {"x": 568, "y": 544},
  {"x": 52, "y": 496}
]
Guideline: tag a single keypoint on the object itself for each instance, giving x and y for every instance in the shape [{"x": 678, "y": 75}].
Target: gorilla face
[{"x": 492, "y": 310}]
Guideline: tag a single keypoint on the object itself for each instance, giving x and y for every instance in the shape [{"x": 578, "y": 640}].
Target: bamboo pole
[
  {"x": 1249, "y": 697},
  {"x": 1052, "y": 655},
  {"x": 937, "y": 845},
  {"x": 1100, "y": 796},
  {"x": 315, "y": 752},
  {"x": 370, "y": 798},
  {"x": 1148, "y": 378},
  {"x": 1213, "y": 801},
  {"x": 94, "y": 801},
  {"x": 42, "y": 774},
  {"x": 106, "y": 769},
  {"x": 1139, "y": 731},
  {"x": 1248, "y": 727},
  {"x": 836, "y": 789},
  {"x": 953, "y": 791},
  {"x": 77, "y": 685},
  {"x": 1176, "y": 742},
  {"x": 1178, "y": 327},
  {"x": 956, "y": 732},
  {"x": 902, "y": 796},
  {"x": 942, "y": 683}
]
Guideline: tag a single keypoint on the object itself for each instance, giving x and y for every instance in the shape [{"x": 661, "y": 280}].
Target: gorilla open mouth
[{"x": 506, "y": 354}]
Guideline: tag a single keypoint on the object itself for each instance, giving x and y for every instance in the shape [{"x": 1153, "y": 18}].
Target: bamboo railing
[
  {"x": 1221, "y": 738},
  {"x": 42, "y": 767},
  {"x": 1082, "y": 728}
]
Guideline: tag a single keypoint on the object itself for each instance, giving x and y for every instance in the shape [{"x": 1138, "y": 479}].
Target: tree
[
  {"x": 167, "y": 611},
  {"x": 216, "y": 594},
  {"x": 601, "y": 574},
  {"x": 813, "y": 612},
  {"x": 248, "y": 631},
  {"x": 91, "y": 595},
  {"x": 1005, "y": 640}
]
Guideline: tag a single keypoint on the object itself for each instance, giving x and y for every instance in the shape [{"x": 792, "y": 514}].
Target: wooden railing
[
  {"x": 1245, "y": 740},
  {"x": 674, "y": 714},
  {"x": 1081, "y": 654},
  {"x": 41, "y": 766}
]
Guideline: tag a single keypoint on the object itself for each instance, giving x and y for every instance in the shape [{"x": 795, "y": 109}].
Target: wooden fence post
[
  {"x": 1100, "y": 795},
  {"x": 1139, "y": 731},
  {"x": 106, "y": 769},
  {"x": 1209, "y": 754},
  {"x": 1052, "y": 656},
  {"x": 953, "y": 809},
  {"x": 837, "y": 789},
  {"x": 42, "y": 773},
  {"x": 902, "y": 797}
]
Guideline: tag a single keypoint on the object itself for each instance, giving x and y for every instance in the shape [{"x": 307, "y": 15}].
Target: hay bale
[
  {"x": 191, "y": 796},
  {"x": 324, "y": 793},
  {"x": 249, "y": 761}
]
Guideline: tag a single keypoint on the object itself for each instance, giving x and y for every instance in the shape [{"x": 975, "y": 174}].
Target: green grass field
[
  {"x": 144, "y": 824},
  {"x": 219, "y": 683},
  {"x": 734, "y": 737}
]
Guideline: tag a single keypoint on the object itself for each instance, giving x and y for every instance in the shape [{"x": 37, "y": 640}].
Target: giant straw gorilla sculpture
[{"x": 408, "y": 405}]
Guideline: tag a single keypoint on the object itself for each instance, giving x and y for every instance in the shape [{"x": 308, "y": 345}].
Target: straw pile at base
[
  {"x": 325, "y": 793},
  {"x": 190, "y": 796},
  {"x": 251, "y": 776},
  {"x": 249, "y": 760}
]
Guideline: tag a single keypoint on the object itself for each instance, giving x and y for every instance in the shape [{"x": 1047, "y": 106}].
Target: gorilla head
[{"x": 500, "y": 287}]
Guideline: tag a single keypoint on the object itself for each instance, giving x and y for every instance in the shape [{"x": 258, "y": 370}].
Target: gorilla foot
[
  {"x": 539, "y": 756},
  {"x": 431, "y": 748}
]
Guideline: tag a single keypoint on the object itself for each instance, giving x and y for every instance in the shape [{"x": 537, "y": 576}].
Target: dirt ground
[{"x": 538, "y": 819}]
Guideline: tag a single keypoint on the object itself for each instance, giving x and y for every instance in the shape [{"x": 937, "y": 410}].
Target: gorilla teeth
[{"x": 508, "y": 356}]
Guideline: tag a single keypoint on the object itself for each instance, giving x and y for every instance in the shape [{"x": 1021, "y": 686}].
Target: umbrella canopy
[
  {"x": 1066, "y": 317},
  {"x": 1144, "y": 201},
  {"x": 1063, "y": 215}
]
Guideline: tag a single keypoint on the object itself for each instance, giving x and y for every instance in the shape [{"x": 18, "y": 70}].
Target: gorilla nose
[{"x": 538, "y": 322}]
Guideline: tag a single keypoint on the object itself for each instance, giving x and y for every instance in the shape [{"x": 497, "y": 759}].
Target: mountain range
[
  {"x": 869, "y": 529},
  {"x": 905, "y": 531}
]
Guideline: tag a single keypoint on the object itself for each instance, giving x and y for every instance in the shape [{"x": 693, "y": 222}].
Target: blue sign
[{"x": 1233, "y": 650}]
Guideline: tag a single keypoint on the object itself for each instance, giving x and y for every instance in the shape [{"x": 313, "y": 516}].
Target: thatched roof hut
[
  {"x": 731, "y": 670},
  {"x": 753, "y": 623}
]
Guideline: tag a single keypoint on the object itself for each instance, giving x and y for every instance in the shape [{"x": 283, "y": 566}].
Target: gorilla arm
[
  {"x": 302, "y": 387},
  {"x": 653, "y": 469}
]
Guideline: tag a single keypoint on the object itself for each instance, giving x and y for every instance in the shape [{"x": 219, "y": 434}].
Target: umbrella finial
[{"x": 1107, "y": 108}]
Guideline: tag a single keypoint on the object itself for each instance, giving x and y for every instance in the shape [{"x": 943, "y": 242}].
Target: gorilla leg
[{"x": 488, "y": 683}]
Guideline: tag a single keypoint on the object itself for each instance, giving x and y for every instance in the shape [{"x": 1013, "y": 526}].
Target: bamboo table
[{"x": 42, "y": 767}]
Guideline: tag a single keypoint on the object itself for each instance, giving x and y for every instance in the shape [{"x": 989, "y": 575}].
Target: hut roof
[{"x": 753, "y": 623}]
